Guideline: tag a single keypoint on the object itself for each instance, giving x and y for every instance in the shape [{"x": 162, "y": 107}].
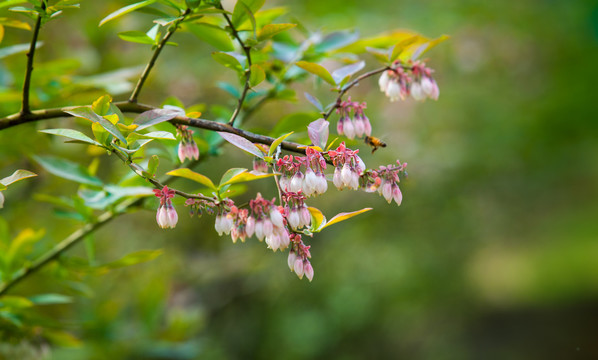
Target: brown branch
[
  {"x": 25, "y": 109},
  {"x": 349, "y": 86},
  {"x": 150, "y": 64}
]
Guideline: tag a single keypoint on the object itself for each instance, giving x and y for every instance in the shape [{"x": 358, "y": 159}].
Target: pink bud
[
  {"x": 172, "y": 216},
  {"x": 285, "y": 240},
  {"x": 393, "y": 91},
  {"x": 276, "y": 218},
  {"x": 273, "y": 242},
  {"x": 417, "y": 92},
  {"x": 349, "y": 129},
  {"x": 294, "y": 219},
  {"x": 387, "y": 191},
  {"x": 305, "y": 216},
  {"x": 308, "y": 270},
  {"x": 383, "y": 81},
  {"x": 296, "y": 182},
  {"x": 259, "y": 230},
  {"x": 397, "y": 195},
  {"x": 340, "y": 126},
  {"x": 267, "y": 227},
  {"x": 336, "y": 179},
  {"x": 291, "y": 259},
  {"x": 250, "y": 226},
  {"x": 181, "y": 152},
  {"x": 298, "y": 267},
  {"x": 359, "y": 126},
  {"x": 284, "y": 183},
  {"x": 346, "y": 175},
  {"x": 322, "y": 184},
  {"x": 367, "y": 126},
  {"x": 234, "y": 234},
  {"x": 354, "y": 181}
]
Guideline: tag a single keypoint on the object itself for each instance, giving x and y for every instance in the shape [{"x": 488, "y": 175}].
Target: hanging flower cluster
[
  {"x": 385, "y": 180},
  {"x": 357, "y": 125},
  {"x": 293, "y": 179},
  {"x": 166, "y": 217},
  {"x": 187, "y": 147},
  {"x": 199, "y": 206},
  {"x": 413, "y": 79},
  {"x": 348, "y": 166},
  {"x": 298, "y": 215},
  {"x": 298, "y": 258}
]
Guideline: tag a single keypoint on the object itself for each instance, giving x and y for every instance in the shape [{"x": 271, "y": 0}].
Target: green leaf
[
  {"x": 270, "y": 30},
  {"x": 228, "y": 60},
  {"x": 229, "y": 174},
  {"x": 7, "y": 3},
  {"x": 339, "y": 74},
  {"x": 257, "y": 75},
  {"x": 414, "y": 51},
  {"x": 380, "y": 54},
  {"x": 155, "y": 116},
  {"x": 402, "y": 46},
  {"x": 17, "y": 176},
  {"x": 50, "y": 299},
  {"x": 192, "y": 175},
  {"x": 152, "y": 165},
  {"x": 380, "y": 41},
  {"x": 244, "y": 9},
  {"x": 317, "y": 219},
  {"x": 244, "y": 177},
  {"x": 11, "y": 301},
  {"x": 136, "y": 37},
  {"x": 163, "y": 135},
  {"x": 67, "y": 170},
  {"x": 277, "y": 142},
  {"x": 125, "y": 10},
  {"x": 314, "y": 101},
  {"x": 86, "y": 113},
  {"x": 336, "y": 40},
  {"x": 344, "y": 216},
  {"x": 15, "y": 23},
  {"x": 71, "y": 134},
  {"x": 102, "y": 105},
  {"x": 317, "y": 70},
  {"x": 213, "y": 35},
  {"x": 16, "y": 49},
  {"x": 242, "y": 144}
]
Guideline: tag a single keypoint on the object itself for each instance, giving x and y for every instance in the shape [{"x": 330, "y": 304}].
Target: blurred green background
[{"x": 492, "y": 255}]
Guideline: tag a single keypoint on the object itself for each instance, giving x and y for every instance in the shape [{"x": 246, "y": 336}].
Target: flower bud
[
  {"x": 311, "y": 180},
  {"x": 340, "y": 126},
  {"x": 305, "y": 216},
  {"x": 322, "y": 184},
  {"x": 359, "y": 126},
  {"x": 285, "y": 240},
  {"x": 267, "y": 226},
  {"x": 308, "y": 270},
  {"x": 349, "y": 129},
  {"x": 346, "y": 175},
  {"x": 354, "y": 181},
  {"x": 393, "y": 91},
  {"x": 276, "y": 218},
  {"x": 296, "y": 182},
  {"x": 259, "y": 229},
  {"x": 396, "y": 194},
  {"x": 250, "y": 226},
  {"x": 234, "y": 234},
  {"x": 294, "y": 219},
  {"x": 416, "y": 91},
  {"x": 298, "y": 267},
  {"x": 383, "y": 81},
  {"x": 367, "y": 127},
  {"x": 336, "y": 179},
  {"x": 291, "y": 259},
  {"x": 217, "y": 224},
  {"x": 387, "y": 191}
]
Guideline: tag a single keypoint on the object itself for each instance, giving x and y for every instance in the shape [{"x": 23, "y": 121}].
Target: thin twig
[
  {"x": 350, "y": 85},
  {"x": 247, "y": 51},
  {"x": 150, "y": 64},
  {"x": 25, "y": 109}
]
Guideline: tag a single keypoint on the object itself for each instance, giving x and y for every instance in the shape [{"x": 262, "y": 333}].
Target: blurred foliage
[{"x": 492, "y": 254}]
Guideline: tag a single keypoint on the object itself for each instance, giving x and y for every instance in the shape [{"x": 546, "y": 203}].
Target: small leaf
[
  {"x": 270, "y": 30},
  {"x": 318, "y": 220},
  {"x": 152, "y": 165},
  {"x": 50, "y": 299},
  {"x": 11, "y": 301},
  {"x": 17, "y": 176},
  {"x": 155, "y": 116},
  {"x": 125, "y": 10},
  {"x": 339, "y": 74},
  {"x": 192, "y": 175},
  {"x": 16, "y": 49},
  {"x": 229, "y": 89},
  {"x": 229, "y": 174},
  {"x": 314, "y": 101},
  {"x": 86, "y": 113},
  {"x": 277, "y": 142},
  {"x": 136, "y": 37},
  {"x": 228, "y": 60},
  {"x": 102, "y": 105},
  {"x": 344, "y": 216},
  {"x": 318, "y": 132},
  {"x": 245, "y": 177},
  {"x": 380, "y": 54},
  {"x": 14, "y": 23},
  {"x": 242, "y": 144},
  {"x": 257, "y": 75},
  {"x": 71, "y": 134},
  {"x": 163, "y": 135},
  {"x": 67, "y": 170},
  {"x": 243, "y": 9},
  {"x": 317, "y": 70},
  {"x": 401, "y": 46}
]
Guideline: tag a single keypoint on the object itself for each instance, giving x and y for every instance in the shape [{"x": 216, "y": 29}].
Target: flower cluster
[
  {"x": 166, "y": 217},
  {"x": 358, "y": 125},
  {"x": 348, "y": 166},
  {"x": 414, "y": 79},
  {"x": 298, "y": 214},
  {"x": 265, "y": 221},
  {"x": 385, "y": 180},
  {"x": 298, "y": 258},
  {"x": 187, "y": 148},
  {"x": 198, "y": 206},
  {"x": 312, "y": 182}
]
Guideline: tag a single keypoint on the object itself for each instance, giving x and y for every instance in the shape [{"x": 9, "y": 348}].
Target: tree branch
[
  {"x": 350, "y": 85},
  {"x": 25, "y": 109},
  {"x": 247, "y": 51},
  {"x": 150, "y": 64}
]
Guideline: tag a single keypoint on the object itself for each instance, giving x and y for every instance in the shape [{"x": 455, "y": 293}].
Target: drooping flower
[
  {"x": 187, "y": 147},
  {"x": 166, "y": 216}
]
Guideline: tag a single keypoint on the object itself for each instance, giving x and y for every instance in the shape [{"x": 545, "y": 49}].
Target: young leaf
[
  {"x": 162, "y": 135},
  {"x": 269, "y": 30},
  {"x": 314, "y": 101},
  {"x": 192, "y": 175},
  {"x": 102, "y": 105},
  {"x": 229, "y": 174},
  {"x": 17, "y": 176},
  {"x": 18, "y": 302},
  {"x": 153, "y": 117},
  {"x": 228, "y": 60},
  {"x": 71, "y": 134},
  {"x": 50, "y": 299},
  {"x": 344, "y": 216},
  {"x": 257, "y": 75},
  {"x": 125, "y": 10},
  {"x": 277, "y": 142},
  {"x": 339, "y": 74},
  {"x": 242, "y": 144},
  {"x": 317, "y": 219},
  {"x": 244, "y": 177},
  {"x": 213, "y": 35},
  {"x": 317, "y": 70},
  {"x": 67, "y": 170},
  {"x": 244, "y": 9},
  {"x": 86, "y": 113},
  {"x": 14, "y": 23},
  {"x": 136, "y": 37},
  {"x": 318, "y": 132},
  {"x": 152, "y": 165},
  {"x": 402, "y": 46}
]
